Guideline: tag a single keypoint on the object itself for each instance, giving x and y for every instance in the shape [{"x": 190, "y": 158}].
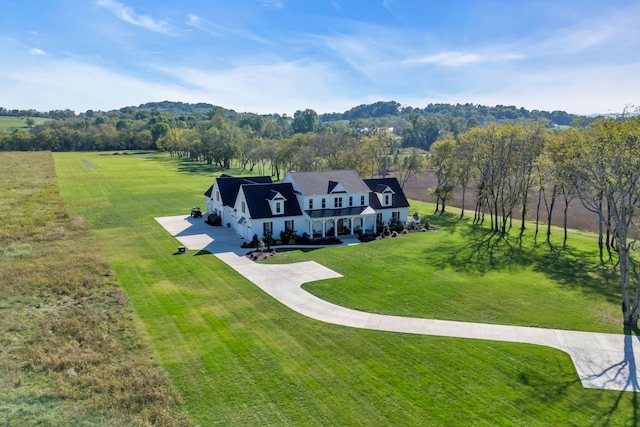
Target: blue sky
[{"x": 278, "y": 56}]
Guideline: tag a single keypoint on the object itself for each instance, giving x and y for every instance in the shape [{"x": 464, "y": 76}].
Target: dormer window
[
  {"x": 384, "y": 194},
  {"x": 276, "y": 203}
]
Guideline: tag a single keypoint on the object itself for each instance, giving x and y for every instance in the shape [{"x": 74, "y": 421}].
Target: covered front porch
[{"x": 340, "y": 222}]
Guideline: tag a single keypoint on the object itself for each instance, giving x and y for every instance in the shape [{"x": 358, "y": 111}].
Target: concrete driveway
[{"x": 603, "y": 361}]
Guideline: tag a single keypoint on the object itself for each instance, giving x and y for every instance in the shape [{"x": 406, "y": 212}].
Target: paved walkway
[{"x": 603, "y": 361}]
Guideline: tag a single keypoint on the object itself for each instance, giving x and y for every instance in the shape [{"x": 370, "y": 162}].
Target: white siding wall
[
  {"x": 388, "y": 213},
  {"x": 299, "y": 225}
]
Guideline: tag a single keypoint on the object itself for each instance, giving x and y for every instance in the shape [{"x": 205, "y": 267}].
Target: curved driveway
[{"x": 603, "y": 361}]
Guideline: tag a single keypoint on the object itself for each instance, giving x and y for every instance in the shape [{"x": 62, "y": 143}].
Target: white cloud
[
  {"x": 78, "y": 86},
  {"x": 458, "y": 59},
  {"x": 36, "y": 51},
  {"x": 193, "y": 20},
  {"x": 127, "y": 14},
  {"x": 219, "y": 31},
  {"x": 276, "y": 86},
  {"x": 272, "y": 3}
]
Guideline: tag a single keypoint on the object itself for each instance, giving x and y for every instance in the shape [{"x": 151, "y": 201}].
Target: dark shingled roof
[
  {"x": 398, "y": 200},
  {"x": 209, "y": 191},
  {"x": 329, "y": 213},
  {"x": 313, "y": 183},
  {"x": 229, "y": 186},
  {"x": 257, "y": 195}
]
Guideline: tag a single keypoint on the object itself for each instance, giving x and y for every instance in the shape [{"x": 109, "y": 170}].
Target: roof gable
[
  {"x": 327, "y": 182},
  {"x": 229, "y": 186},
  {"x": 398, "y": 199},
  {"x": 275, "y": 195},
  {"x": 383, "y": 188},
  {"x": 335, "y": 187},
  {"x": 258, "y": 196}
]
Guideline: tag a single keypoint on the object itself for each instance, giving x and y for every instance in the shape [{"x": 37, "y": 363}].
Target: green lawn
[
  {"x": 464, "y": 272},
  {"x": 10, "y": 123},
  {"x": 237, "y": 357}
]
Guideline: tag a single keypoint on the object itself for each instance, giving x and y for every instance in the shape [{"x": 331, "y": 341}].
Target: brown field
[{"x": 578, "y": 217}]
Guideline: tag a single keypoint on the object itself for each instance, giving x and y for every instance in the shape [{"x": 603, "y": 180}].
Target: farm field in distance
[
  {"x": 237, "y": 357},
  {"x": 10, "y": 122}
]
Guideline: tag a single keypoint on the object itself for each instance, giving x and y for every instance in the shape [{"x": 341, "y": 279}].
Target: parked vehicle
[{"x": 196, "y": 212}]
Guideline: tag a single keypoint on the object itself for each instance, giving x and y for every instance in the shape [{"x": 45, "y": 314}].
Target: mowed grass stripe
[{"x": 238, "y": 357}]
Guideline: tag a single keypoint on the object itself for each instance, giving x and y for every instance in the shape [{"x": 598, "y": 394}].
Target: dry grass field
[{"x": 71, "y": 349}]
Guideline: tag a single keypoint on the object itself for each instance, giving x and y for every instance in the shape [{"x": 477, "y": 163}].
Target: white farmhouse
[{"x": 321, "y": 204}]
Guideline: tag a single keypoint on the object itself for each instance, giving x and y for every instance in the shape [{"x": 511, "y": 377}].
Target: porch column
[
  {"x": 335, "y": 228},
  {"x": 375, "y": 224},
  {"x": 351, "y": 224},
  {"x": 323, "y": 227}
]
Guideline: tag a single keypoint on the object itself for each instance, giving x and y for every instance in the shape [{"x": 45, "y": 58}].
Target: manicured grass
[
  {"x": 465, "y": 272},
  {"x": 238, "y": 357}
]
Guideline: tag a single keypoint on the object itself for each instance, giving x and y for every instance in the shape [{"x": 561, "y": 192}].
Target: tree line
[
  {"x": 597, "y": 165},
  {"x": 141, "y": 127}
]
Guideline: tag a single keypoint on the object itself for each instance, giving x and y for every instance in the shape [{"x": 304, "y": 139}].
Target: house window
[
  {"x": 379, "y": 219},
  {"x": 324, "y": 203},
  {"x": 337, "y": 202},
  {"x": 361, "y": 200},
  {"x": 244, "y": 206},
  {"x": 288, "y": 225},
  {"x": 310, "y": 203},
  {"x": 278, "y": 207},
  {"x": 395, "y": 216},
  {"x": 350, "y": 201},
  {"x": 386, "y": 200},
  {"x": 267, "y": 229},
  {"x": 217, "y": 196}
]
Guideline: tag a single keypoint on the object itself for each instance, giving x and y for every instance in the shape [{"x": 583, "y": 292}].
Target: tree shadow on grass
[
  {"x": 190, "y": 166},
  {"x": 481, "y": 251},
  {"x": 626, "y": 369},
  {"x": 624, "y": 373}
]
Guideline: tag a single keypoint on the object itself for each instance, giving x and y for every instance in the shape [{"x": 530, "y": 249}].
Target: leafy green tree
[
  {"x": 158, "y": 130},
  {"x": 604, "y": 162},
  {"x": 442, "y": 163},
  {"x": 305, "y": 121},
  {"x": 422, "y": 132}
]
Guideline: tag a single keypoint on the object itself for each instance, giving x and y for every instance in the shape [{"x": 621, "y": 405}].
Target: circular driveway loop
[{"x": 603, "y": 361}]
